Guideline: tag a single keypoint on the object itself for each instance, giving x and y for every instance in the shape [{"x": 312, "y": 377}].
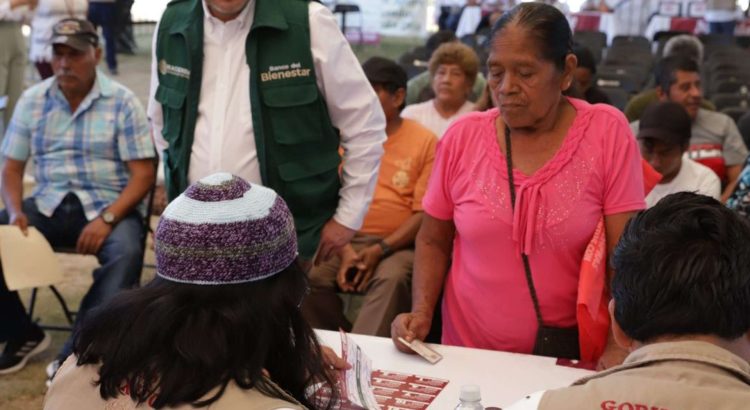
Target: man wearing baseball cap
[
  {"x": 664, "y": 137},
  {"x": 378, "y": 261},
  {"x": 93, "y": 157}
]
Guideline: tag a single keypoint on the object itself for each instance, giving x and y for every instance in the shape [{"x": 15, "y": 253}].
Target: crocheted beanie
[{"x": 224, "y": 230}]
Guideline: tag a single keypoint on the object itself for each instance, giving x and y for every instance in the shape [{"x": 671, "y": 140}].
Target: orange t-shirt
[{"x": 404, "y": 171}]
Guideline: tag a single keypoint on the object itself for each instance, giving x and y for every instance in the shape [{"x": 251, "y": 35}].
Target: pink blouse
[{"x": 596, "y": 171}]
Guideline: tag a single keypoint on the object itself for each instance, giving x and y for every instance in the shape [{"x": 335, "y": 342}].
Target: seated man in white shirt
[{"x": 664, "y": 137}]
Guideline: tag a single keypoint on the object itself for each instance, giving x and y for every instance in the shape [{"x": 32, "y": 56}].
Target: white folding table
[{"x": 503, "y": 377}]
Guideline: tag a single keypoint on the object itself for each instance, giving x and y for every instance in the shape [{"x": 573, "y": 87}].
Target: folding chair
[
  {"x": 622, "y": 81},
  {"x": 722, "y": 101},
  {"x": 661, "y": 38},
  {"x": 715, "y": 39},
  {"x": 743, "y": 41},
  {"x": 638, "y": 73},
  {"x": 735, "y": 112},
  {"x": 713, "y": 51},
  {"x": 640, "y": 42},
  {"x": 67, "y": 312},
  {"x": 629, "y": 56},
  {"x": 617, "y": 96},
  {"x": 730, "y": 85},
  {"x": 595, "y": 41},
  {"x": 740, "y": 75}
]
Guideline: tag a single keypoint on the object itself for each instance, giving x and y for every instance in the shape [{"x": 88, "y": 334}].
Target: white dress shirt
[
  {"x": 426, "y": 114},
  {"x": 224, "y": 136}
]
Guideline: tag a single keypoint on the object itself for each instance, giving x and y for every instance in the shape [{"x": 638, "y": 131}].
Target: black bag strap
[{"x": 526, "y": 265}]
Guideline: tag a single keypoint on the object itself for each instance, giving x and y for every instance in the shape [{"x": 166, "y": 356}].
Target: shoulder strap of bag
[{"x": 526, "y": 265}]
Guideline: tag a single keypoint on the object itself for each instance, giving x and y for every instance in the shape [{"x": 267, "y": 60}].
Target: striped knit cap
[{"x": 224, "y": 230}]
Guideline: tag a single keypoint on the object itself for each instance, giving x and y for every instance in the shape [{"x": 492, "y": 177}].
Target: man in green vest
[{"x": 268, "y": 90}]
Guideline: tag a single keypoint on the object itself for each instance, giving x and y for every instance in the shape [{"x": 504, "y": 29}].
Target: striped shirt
[{"x": 83, "y": 152}]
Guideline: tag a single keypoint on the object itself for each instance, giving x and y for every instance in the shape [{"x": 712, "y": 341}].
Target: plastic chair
[
  {"x": 715, "y": 52},
  {"x": 731, "y": 74},
  {"x": 661, "y": 38},
  {"x": 622, "y": 81},
  {"x": 638, "y": 73},
  {"x": 722, "y": 101},
  {"x": 634, "y": 41},
  {"x": 595, "y": 41},
  {"x": 742, "y": 41},
  {"x": 729, "y": 86},
  {"x": 629, "y": 56},
  {"x": 617, "y": 96},
  {"x": 715, "y": 39},
  {"x": 735, "y": 112}
]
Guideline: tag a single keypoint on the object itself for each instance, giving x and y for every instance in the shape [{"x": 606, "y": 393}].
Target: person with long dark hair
[{"x": 219, "y": 326}]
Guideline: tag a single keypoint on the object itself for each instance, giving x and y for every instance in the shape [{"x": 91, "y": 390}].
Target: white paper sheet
[{"x": 358, "y": 385}]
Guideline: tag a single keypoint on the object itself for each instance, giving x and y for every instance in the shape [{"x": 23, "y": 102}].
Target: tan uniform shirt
[
  {"x": 661, "y": 376},
  {"x": 73, "y": 389}
]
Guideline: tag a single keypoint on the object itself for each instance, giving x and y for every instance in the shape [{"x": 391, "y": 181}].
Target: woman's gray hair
[{"x": 685, "y": 45}]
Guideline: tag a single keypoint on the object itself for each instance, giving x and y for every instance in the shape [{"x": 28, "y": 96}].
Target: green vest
[{"x": 296, "y": 143}]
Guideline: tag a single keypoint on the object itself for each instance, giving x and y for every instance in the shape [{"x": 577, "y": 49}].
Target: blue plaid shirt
[{"x": 83, "y": 152}]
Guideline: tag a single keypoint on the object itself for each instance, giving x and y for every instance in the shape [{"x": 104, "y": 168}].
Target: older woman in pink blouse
[{"x": 572, "y": 164}]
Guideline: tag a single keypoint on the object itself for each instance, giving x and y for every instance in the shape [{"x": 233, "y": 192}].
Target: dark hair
[
  {"x": 172, "y": 343},
  {"x": 585, "y": 58},
  {"x": 548, "y": 26},
  {"x": 666, "y": 70},
  {"x": 386, "y": 74},
  {"x": 438, "y": 39},
  {"x": 681, "y": 268},
  {"x": 391, "y": 89}
]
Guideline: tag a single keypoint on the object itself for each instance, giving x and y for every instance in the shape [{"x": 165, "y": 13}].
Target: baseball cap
[
  {"x": 379, "y": 70},
  {"x": 76, "y": 33},
  {"x": 667, "y": 122}
]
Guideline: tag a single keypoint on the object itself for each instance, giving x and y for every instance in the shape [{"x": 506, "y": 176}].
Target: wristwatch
[
  {"x": 108, "y": 217},
  {"x": 387, "y": 251}
]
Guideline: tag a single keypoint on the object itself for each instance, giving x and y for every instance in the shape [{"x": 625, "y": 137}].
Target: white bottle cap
[{"x": 470, "y": 392}]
